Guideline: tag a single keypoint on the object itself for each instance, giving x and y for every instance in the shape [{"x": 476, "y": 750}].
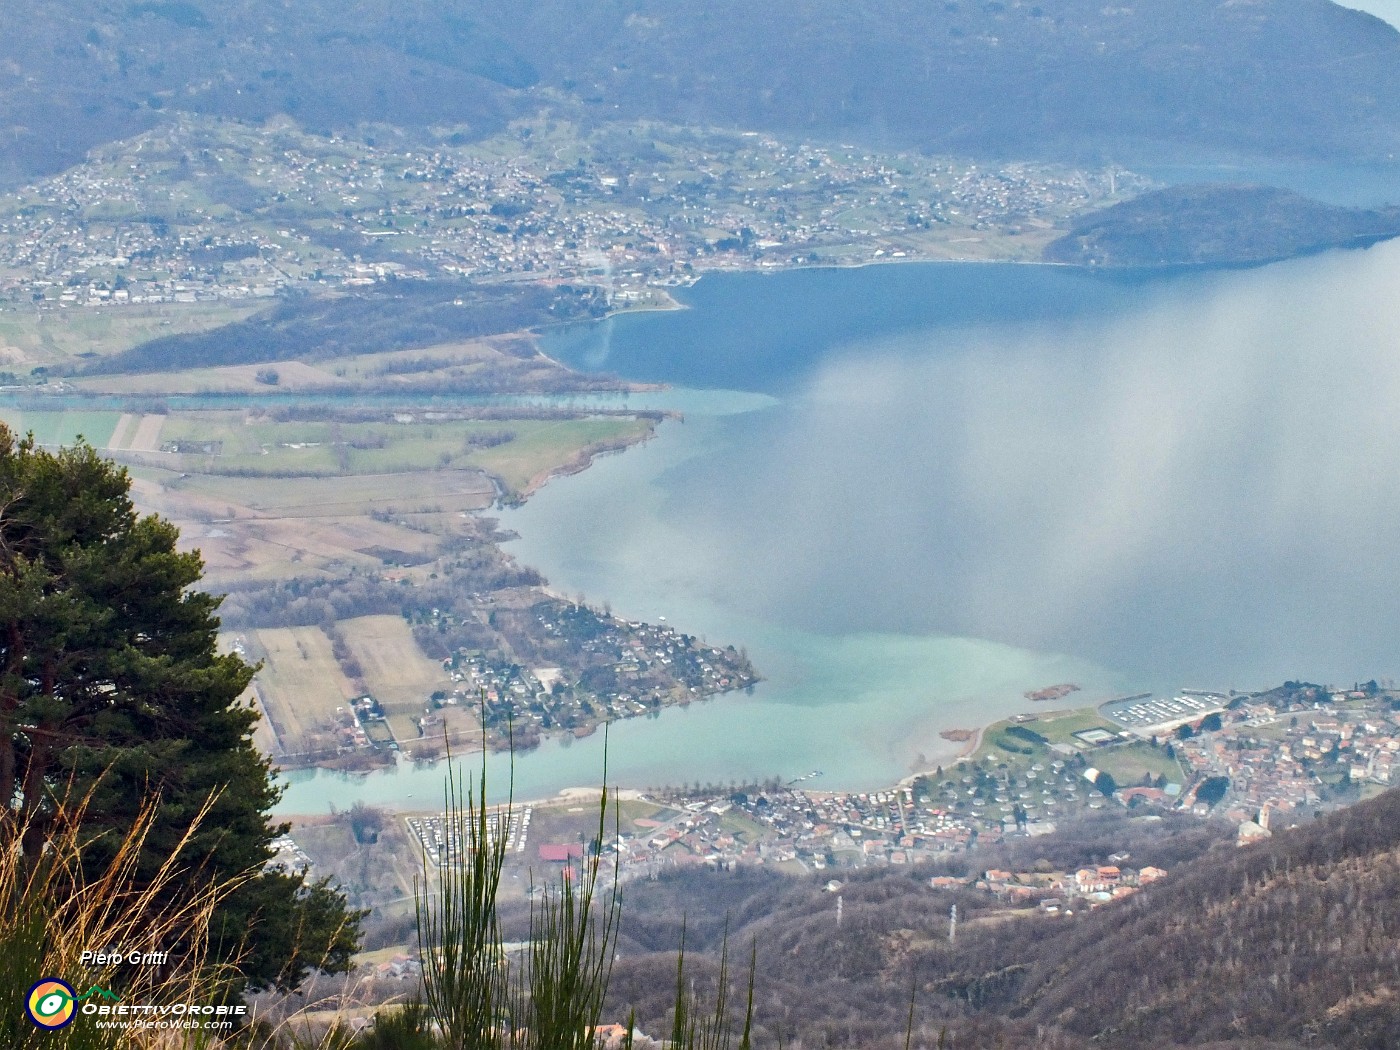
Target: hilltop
[{"x": 1048, "y": 79}]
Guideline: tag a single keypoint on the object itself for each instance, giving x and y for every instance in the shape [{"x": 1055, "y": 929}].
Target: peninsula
[{"x": 1217, "y": 225}]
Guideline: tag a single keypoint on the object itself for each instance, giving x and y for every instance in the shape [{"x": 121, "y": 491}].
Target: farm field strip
[
  {"x": 147, "y": 436},
  {"x": 392, "y": 666},
  {"x": 343, "y": 468},
  {"x": 222, "y": 379},
  {"x": 63, "y": 428},
  {"x": 347, "y": 496},
  {"x": 123, "y": 432},
  {"x": 301, "y": 683}
]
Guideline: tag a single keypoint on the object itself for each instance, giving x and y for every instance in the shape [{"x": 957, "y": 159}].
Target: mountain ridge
[{"x": 1052, "y": 79}]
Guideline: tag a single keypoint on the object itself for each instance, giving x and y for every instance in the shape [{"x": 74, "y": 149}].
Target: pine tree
[{"x": 112, "y": 688}]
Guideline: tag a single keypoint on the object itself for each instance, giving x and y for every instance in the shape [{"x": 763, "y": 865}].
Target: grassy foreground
[{"x": 474, "y": 996}]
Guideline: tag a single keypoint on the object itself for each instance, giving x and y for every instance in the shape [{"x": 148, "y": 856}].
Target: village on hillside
[{"x": 205, "y": 211}]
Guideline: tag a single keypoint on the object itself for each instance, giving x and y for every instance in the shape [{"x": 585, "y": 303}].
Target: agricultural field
[
  {"x": 505, "y": 362},
  {"x": 300, "y": 686},
  {"x": 544, "y": 446},
  {"x": 343, "y": 497},
  {"x": 63, "y": 428},
  {"x": 271, "y": 528},
  {"x": 521, "y": 453},
  {"x": 228, "y": 379},
  {"x": 453, "y": 360},
  {"x": 393, "y": 669},
  {"x": 72, "y": 338},
  {"x": 264, "y": 737},
  {"x": 145, "y": 437},
  {"x": 227, "y": 463}
]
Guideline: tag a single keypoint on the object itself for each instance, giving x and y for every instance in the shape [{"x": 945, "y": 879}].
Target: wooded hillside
[
  {"x": 1174, "y": 78},
  {"x": 1292, "y": 942}
]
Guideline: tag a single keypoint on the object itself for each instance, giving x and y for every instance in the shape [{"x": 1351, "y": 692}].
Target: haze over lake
[
  {"x": 932, "y": 487},
  {"x": 1190, "y": 476}
]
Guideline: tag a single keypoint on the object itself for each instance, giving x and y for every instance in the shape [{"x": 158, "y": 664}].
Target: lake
[{"x": 915, "y": 492}]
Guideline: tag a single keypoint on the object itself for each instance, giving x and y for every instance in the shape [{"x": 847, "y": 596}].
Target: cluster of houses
[
  {"x": 699, "y": 203},
  {"x": 621, "y": 669},
  {"x": 1294, "y": 750},
  {"x": 794, "y": 831},
  {"x": 1062, "y": 892},
  {"x": 357, "y": 726}
]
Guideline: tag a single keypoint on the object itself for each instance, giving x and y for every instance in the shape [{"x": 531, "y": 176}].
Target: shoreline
[
  {"x": 966, "y": 750},
  {"x": 582, "y": 464},
  {"x": 581, "y": 461}
]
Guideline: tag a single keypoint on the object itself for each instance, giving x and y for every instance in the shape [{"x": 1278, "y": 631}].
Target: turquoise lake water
[{"x": 915, "y": 492}]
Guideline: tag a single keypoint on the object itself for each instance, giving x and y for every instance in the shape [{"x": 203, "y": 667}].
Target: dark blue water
[{"x": 770, "y": 332}]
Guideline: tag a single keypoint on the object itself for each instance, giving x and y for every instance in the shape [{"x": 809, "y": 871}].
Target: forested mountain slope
[
  {"x": 1295, "y": 938},
  {"x": 1289, "y": 943},
  {"x": 1013, "y": 77},
  {"x": 843, "y": 978}
]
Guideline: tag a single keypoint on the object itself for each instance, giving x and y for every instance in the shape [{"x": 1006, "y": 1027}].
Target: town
[
  {"x": 545, "y": 667},
  {"x": 202, "y": 211},
  {"x": 620, "y": 669},
  {"x": 1257, "y": 761}
]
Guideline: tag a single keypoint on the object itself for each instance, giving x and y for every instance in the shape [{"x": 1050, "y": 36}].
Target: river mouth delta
[{"x": 916, "y": 493}]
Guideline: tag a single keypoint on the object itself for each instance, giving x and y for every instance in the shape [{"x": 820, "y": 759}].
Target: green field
[
  {"x": 629, "y": 810},
  {"x": 74, "y": 336},
  {"x": 63, "y": 428},
  {"x": 736, "y": 823},
  {"x": 1129, "y": 763},
  {"x": 533, "y": 446},
  {"x": 1057, "y": 727},
  {"x": 1000, "y": 744}
]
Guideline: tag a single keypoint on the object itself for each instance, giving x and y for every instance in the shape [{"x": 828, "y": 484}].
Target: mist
[
  {"x": 1207, "y": 487},
  {"x": 1202, "y": 483}
]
